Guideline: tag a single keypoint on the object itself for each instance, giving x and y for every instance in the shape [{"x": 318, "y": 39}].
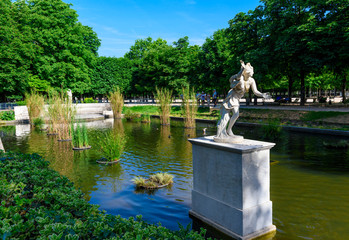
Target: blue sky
[{"x": 119, "y": 23}]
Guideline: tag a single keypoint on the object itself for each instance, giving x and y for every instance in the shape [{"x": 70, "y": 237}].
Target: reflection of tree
[
  {"x": 164, "y": 143},
  {"x": 119, "y": 126}
]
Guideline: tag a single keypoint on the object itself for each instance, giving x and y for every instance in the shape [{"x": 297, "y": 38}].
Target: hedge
[{"x": 38, "y": 203}]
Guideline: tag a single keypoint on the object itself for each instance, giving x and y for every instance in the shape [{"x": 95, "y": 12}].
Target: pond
[{"x": 309, "y": 183}]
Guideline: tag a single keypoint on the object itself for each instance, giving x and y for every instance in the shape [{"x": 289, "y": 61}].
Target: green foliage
[
  {"x": 38, "y": 203},
  {"x": 142, "y": 109},
  {"x": 340, "y": 144},
  {"x": 110, "y": 73},
  {"x": 145, "y": 118},
  {"x": 7, "y": 115},
  {"x": 80, "y": 137},
  {"x": 90, "y": 100},
  {"x": 111, "y": 145},
  {"x": 43, "y": 45},
  {"x": 311, "y": 116},
  {"x": 272, "y": 129},
  {"x": 38, "y": 122}
]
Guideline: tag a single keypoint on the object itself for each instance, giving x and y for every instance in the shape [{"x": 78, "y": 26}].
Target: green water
[{"x": 309, "y": 183}]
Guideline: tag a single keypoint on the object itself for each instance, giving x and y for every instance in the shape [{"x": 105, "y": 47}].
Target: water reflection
[{"x": 309, "y": 183}]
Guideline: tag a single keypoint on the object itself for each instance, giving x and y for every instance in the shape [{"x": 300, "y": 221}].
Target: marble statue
[
  {"x": 70, "y": 95},
  {"x": 240, "y": 84}
]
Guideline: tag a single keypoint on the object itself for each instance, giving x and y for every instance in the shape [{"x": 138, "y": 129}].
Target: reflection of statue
[{"x": 240, "y": 84}]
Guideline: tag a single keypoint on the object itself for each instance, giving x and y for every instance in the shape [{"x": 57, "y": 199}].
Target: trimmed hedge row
[{"x": 39, "y": 203}]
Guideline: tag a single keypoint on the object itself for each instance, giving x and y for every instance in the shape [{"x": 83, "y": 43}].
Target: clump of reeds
[
  {"x": 145, "y": 118},
  {"x": 80, "y": 138},
  {"x": 54, "y": 105},
  {"x": 38, "y": 122},
  {"x": 164, "y": 97},
  {"x": 116, "y": 102},
  {"x": 35, "y": 103},
  {"x": 189, "y": 107},
  {"x": 65, "y": 115},
  {"x": 154, "y": 181},
  {"x": 111, "y": 145}
]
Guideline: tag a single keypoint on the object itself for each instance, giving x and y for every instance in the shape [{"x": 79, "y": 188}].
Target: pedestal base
[
  {"x": 231, "y": 186},
  {"x": 215, "y": 230}
]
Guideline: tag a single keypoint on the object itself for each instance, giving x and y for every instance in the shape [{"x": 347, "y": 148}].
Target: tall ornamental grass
[
  {"x": 189, "y": 107},
  {"x": 54, "y": 105},
  {"x": 35, "y": 103},
  {"x": 164, "y": 97},
  {"x": 116, "y": 102},
  {"x": 65, "y": 114}
]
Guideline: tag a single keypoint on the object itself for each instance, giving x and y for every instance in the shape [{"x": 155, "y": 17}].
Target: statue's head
[{"x": 248, "y": 71}]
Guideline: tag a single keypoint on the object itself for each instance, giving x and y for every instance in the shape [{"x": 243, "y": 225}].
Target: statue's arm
[{"x": 256, "y": 92}]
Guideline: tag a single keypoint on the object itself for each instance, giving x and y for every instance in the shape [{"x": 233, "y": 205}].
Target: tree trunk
[
  {"x": 344, "y": 81},
  {"x": 290, "y": 84},
  {"x": 302, "y": 88}
]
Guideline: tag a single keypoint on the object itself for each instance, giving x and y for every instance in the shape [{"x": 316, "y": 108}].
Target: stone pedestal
[
  {"x": 231, "y": 187},
  {"x": 21, "y": 114}
]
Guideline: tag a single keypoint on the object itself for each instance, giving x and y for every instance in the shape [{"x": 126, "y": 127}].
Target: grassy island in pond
[{"x": 39, "y": 203}]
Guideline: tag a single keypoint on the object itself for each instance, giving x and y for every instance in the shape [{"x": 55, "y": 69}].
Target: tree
[{"x": 110, "y": 73}]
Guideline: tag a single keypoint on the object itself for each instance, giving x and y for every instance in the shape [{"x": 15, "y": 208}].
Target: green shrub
[
  {"x": 90, "y": 100},
  {"x": 38, "y": 203},
  {"x": 21, "y": 103},
  {"x": 7, "y": 115},
  {"x": 145, "y": 118}
]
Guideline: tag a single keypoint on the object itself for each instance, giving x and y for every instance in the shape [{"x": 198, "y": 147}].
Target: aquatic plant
[
  {"x": 189, "y": 107},
  {"x": 145, "y": 118},
  {"x": 116, "y": 102},
  {"x": 111, "y": 145},
  {"x": 38, "y": 122},
  {"x": 35, "y": 103},
  {"x": 80, "y": 138},
  {"x": 164, "y": 97},
  {"x": 154, "y": 181}
]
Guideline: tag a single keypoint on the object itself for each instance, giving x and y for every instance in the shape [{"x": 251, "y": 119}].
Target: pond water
[{"x": 309, "y": 183}]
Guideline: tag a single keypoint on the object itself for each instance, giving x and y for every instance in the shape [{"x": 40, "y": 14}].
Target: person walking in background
[
  {"x": 214, "y": 97},
  {"x": 208, "y": 99},
  {"x": 203, "y": 97}
]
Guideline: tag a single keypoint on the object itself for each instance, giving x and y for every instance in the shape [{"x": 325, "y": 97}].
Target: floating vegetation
[
  {"x": 111, "y": 145},
  {"x": 157, "y": 180},
  {"x": 80, "y": 138}
]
